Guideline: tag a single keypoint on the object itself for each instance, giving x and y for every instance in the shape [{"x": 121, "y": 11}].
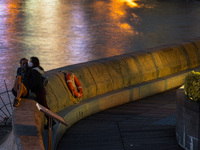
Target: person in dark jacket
[
  {"x": 36, "y": 81},
  {"x": 21, "y": 85},
  {"x": 37, "y": 84}
]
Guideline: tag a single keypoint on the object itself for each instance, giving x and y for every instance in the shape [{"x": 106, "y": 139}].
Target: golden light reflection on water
[
  {"x": 60, "y": 33},
  {"x": 116, "y": 14},
  {"x": 131, "y": 3},
  {"x": 2, "y": 24},
  {"x": 44, "y": 29},
  {"x": 45, "y": 25},
  {"x": 64, "y": 32},
  {"x": 8, "y": 31},
  {"x": 50, "y": 32},
  {"x": 10, "y": 9}
]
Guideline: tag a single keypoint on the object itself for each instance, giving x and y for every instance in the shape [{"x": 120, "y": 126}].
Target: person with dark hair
[
  {"x": 37, "y": 84},
  {"x": 36, "y": 81},
  {"x": 23, "y": 63},
  {"x": 21, "y": 88}
]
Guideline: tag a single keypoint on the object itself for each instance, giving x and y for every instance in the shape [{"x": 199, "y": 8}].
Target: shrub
[{"x": 192, "y": 86}]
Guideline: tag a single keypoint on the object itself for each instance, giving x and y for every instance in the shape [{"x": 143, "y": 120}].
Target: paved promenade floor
[{"x": 146, "y": 124}]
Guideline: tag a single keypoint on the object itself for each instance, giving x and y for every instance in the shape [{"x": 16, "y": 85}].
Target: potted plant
[{"x": 188, "y": 112}]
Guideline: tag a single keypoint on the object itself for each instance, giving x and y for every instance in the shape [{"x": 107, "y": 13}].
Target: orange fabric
[{"x": 22, "y": 91}]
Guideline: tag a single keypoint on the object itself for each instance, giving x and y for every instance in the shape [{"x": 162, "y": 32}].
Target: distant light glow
[
  {"x": 118, "y": 14},
  {"x": 130, "y": 3},
  {"x": 126, "y": 26}
]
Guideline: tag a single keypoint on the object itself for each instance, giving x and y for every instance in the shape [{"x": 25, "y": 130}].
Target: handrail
[
  {"x": 6, "y": 107},
  {"x": 51, "y": 116}
]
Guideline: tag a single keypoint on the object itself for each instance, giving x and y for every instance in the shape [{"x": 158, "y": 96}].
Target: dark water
[{"x": 64, "y": 32}]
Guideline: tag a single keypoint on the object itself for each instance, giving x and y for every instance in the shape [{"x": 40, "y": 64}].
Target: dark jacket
[
  {"x": 20, "y": 71},
  {"x": 36, "y": 79},
  {"x": 25, "y": 78},
  {"x": 24, "y": 73}
]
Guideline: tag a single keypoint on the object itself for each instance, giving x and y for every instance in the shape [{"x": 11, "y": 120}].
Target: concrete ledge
[
  {"x": 28, "y": 125},
  {"x": 114, "y": 73},
  {"x": 106, "y": 83},
  {"x": 74, "y": 113},
  {"x": 28, "y": 121}
]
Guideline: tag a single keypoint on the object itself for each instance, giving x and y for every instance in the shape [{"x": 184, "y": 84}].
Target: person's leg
[
  {"x": 18, "y": 80},
  {"x": 22, "y": 91}
]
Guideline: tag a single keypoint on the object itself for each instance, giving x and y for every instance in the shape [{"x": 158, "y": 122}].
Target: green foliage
[{"x": 192, "y": 86}]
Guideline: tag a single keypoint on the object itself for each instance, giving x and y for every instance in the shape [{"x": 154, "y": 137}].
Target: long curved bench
[{"x": 106, "y": 83}]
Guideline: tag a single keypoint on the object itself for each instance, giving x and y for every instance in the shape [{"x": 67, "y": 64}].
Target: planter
[{"x": 187, "y": 122}]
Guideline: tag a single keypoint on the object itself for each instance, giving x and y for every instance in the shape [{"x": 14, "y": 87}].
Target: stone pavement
[{"x": 146, "y": 124}]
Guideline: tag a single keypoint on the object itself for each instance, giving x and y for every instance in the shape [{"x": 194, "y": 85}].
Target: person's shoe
[{"x": 16, "y": 102}]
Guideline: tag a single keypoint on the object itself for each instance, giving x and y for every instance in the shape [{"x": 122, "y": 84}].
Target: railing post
[
  {"x": 8, "y": 94},
  {"x": 51, "y": 116},
  {"x": 50, "y": 134}
]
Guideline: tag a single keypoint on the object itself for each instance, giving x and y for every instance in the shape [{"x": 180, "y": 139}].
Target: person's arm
[{"x": 19, "y": 71}]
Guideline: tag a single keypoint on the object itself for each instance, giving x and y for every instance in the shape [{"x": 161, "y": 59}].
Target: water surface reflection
[{"x": 63, "y": 32}]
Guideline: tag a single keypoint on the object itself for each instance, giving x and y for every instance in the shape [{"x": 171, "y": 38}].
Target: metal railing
[{"x": 6, "y": 106}]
